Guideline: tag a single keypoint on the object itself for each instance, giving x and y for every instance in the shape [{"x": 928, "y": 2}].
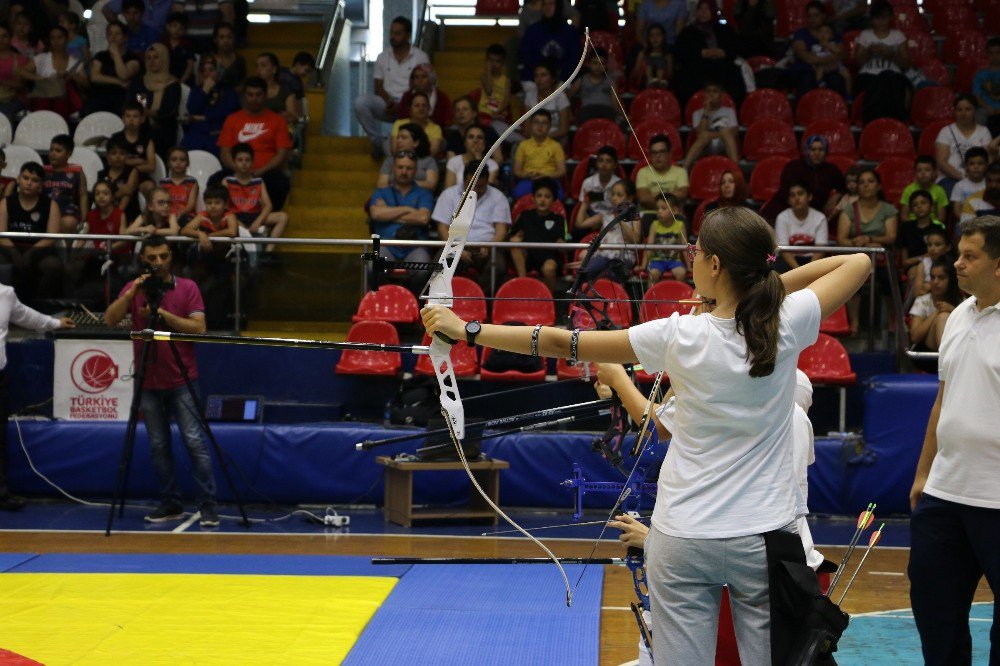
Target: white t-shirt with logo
[
  {"x": 967, "y": 465},
  {"x": 923, "y": 306},
  {"x": 729, "y": 470},
  {"x": 491, "y": 209},
  {"x": 877, "y": 64},
  {"x": 790, "y": 230}
]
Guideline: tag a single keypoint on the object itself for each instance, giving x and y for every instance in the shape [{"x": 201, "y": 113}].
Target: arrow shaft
[
  {"x": 172, "y": 336},
  {"x": 495, "y": 560}
]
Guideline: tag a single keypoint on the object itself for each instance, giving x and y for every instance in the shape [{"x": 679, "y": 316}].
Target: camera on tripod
[{"x": 154, "y": 286}]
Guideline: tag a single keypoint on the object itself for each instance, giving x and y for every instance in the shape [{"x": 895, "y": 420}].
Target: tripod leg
[
  {"x": 128, "y": 446},
  {"x": 199, "y": 413}
]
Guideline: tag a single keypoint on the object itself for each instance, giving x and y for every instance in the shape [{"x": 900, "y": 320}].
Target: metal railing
[{"x": 240, "y": 249}]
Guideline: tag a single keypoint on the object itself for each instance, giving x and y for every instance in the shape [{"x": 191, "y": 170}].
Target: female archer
[{"x": 727, "y": 478}]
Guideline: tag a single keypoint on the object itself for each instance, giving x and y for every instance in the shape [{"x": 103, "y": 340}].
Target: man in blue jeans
[
  {"x": 164, "y": 391},
  {"x": 955, "y": 526}
]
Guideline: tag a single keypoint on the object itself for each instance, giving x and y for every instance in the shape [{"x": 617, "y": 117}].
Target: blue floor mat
[
  {"x": 891, "y": 638},
  {"x": 485, "y": 614},
  {"x": 9, "y": 561},
  {"x": 292, "y": 565}
]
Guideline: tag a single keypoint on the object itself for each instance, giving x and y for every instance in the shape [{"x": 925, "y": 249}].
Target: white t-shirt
[
  {"x": 790, "y": 230},
  {"x": 553, "y": 106},
  {"x": 967, "y": 465},
  {"x": 965, "y": 188},
  {"x": 958, "y": 144},
  {"x": 923, "y": 307},
  {"x": 491, "y": 209},
  {"x": 395, "y": 75},
  {"x": 45, "y": 68},
  {"x": 877, "y": 64},
  {"x": 721, "y": 117},
  {"x": 593, "y": 182},
  {"x": 457, "y": 166},
  {"x": 728, "y": 471}
]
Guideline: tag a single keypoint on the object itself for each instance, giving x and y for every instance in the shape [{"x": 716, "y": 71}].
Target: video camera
[{"x": 154, "y": 286}]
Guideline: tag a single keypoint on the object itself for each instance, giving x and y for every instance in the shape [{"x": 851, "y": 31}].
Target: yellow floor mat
[{"x": 153, "y": 619}]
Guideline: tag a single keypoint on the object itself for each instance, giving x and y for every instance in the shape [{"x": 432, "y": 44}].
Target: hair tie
[{"x": 771, "y": 259}]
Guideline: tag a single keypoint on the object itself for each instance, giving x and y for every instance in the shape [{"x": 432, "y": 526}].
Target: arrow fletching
[{"x": 876, "y": 536}]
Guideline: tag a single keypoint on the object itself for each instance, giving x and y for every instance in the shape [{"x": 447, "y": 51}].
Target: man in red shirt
[{"x": 267, "y": 132}]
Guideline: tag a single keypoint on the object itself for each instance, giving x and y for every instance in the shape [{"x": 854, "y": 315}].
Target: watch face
[{"x": 473, "y": 327}]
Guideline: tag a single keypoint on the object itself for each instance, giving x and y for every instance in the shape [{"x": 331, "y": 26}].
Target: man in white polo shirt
[
  {"x": 491, "y": 222},
  {"x": 955, "y": 526},
  {"x": 392, "y": 78}
]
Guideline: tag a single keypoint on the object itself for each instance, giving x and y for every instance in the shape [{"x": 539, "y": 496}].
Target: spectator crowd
[
  {"x": 843, "y": 123},
  {"x": 164, "y": 86}
]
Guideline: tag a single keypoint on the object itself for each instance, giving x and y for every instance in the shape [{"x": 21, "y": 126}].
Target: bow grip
[{"x": 444, "y": 338}]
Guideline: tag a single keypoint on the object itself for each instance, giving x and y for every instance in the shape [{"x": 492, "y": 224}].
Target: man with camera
[{"x": 158, "y": 299}]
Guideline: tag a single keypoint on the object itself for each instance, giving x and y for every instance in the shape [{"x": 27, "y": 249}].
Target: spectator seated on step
[
  {"x": 266, "y": 132},
  {"x": 412, "y": 139},
  {"x": 464, "y": 116},
  {"x": 538, "y": 156},
  {"x": 491, "y": 223},
  {"x": 392, "y": 79},
  {"x": 420, "y": 109},
  {"x": 424, "y": 80},
  {"x": 248, "y": 199},
  {"x": 402, "y": 211}
]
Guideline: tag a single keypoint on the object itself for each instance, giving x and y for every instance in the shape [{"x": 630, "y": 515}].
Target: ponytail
[
  {"x": 757, "y": 321},
  {"x": 745, "y": 246}
]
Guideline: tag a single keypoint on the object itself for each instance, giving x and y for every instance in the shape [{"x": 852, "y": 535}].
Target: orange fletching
[{"x": 876, "y": 536}]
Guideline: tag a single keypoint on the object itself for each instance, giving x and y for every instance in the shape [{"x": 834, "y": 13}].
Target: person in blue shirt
[
  {"x": 551, "y": 38},
  {"x": 154, "y": 12},
  {"x": 402, "y": 211},
  {"x": 139, "y": 36},
  {"x": 986, "y": 87}
]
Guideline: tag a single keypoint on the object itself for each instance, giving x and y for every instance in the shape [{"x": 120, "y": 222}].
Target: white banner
[{"x": 93, "y": 380}]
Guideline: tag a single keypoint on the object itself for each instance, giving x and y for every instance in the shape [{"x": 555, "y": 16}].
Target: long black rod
[
  {"x": 496, "y": 560},
  {"x": 149, "y": 334},
  {"x": 502, "y": 421},
  {"x": 528, "y": 428}
]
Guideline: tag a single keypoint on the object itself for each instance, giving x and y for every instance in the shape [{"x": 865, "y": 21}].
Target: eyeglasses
[
  {"x": 693, "y": 251},
  {"x": 407, "y": 154}
]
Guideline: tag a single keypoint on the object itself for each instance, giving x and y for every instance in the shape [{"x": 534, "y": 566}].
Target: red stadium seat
[
  {"x": 837, "y": 323},
  {"x": 464, "y": 360},
  {"x": 697, "y": 101},
  {"x": 953, "y": 17},
  {"x": 837, "y": 134},
  {"x": 896, "y": 174},
  {"x": 821, "y": 104},
  {"x": 788, "y": 20},
  {"x": 848, "y": 39},
  {"x": 666, "y": 290},
  {"x": 646, "y": 130},
  {"x": 909, "y": 21},
  {"x": 497, "y": 7},
  {"x": 963, "y": 45},
  {"x": 595, "y": 133},
  {"x": 353, "y": 362},
  {"x": 765, "y": 103},
  {"x": 536, "y": 308},
  {"x": 930, "y": 104},
  {"x": 929, "y": 135},
  {"x": 705, "y": 175},
  {"x": 766, "y": 178},
  {"x": 527, "y": 202},
  {"x": 936, "y": 71},
  {"x": 858, "y": 111},
  {"x": 699, "y": 213},
  {"x": 612, "y": 44},
  {"x": 886, "y": 137},
  {"x": 768, "y": 137},
  {"x": 760, "y": 62},
  {"x": 509, "y": 375},
  {"x": 842, "y": 162},
  {"x": 827, "y": 362},
  {"x": 619, "y": 311},
  {"x": 966, "y": 72},
  {"x": 470, "y": 301},
  {"x": 655, "y": 103},
  {"x": 920, "y": 45},
  {"x": 579, "y": 371},
  {"x": 391, "y": 303}
]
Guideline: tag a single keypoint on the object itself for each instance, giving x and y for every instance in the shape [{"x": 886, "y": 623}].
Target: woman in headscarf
[
  {"x": 551, "y": 38},
  {"x": 705, "y": 51},
  {"x": 423, "y": 79},
  {"x": 824, "y": 179},
  {"x": 160, "y": 93}
]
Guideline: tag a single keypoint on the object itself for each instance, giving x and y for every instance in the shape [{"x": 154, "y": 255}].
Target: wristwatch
[{"x": 472, "y": 329}]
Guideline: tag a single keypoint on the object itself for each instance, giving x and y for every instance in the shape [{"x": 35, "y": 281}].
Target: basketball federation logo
[{"x": 93, "y": 371}]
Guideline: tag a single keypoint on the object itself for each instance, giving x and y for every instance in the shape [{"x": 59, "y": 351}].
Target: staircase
[{"x": 315, "y": 288}]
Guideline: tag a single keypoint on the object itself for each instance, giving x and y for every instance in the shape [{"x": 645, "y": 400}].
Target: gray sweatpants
[{"x": 685, "y": 587}]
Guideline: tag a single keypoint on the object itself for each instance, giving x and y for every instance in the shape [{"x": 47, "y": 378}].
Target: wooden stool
[{"x": 399, "y": 490}]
